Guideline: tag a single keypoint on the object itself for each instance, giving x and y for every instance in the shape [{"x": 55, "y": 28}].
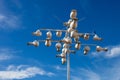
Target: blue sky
[{"x": 18, "y": 18}]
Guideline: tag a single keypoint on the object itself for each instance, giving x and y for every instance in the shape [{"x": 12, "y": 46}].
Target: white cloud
[
  {"x": 22, "y": 72},
  {"x": 9, "y": 22},
  {"x": 99, "y": 68},
  {"x": 59, "y": 67},
  {"x": 113, "y": 51},
  {"x": 18, "y": 72},
  {"x": 6, "y": 54},
  {"x": 85, "y": 74},
  {"x": 108, "y": 69},
  {"x": 90, "y": 74},
  {"x": 5, "y": 57},
  {"x": 102, "y": 72},
  {"x": 113, "y": 72},
  {"x": 76, "y": 78}
]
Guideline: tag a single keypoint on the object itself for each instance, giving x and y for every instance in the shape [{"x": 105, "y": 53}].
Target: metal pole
[{"x": 68, "y": 66}]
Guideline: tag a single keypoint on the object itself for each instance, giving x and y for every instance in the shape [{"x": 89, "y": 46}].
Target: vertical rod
[{"x": 68, "y": 66}]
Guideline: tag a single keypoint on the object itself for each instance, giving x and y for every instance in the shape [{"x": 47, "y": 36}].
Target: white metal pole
[{"x": 68, "y": 66}]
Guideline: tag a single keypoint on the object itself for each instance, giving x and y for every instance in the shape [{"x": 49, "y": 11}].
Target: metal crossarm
[{"x": 71, "y": 37}]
